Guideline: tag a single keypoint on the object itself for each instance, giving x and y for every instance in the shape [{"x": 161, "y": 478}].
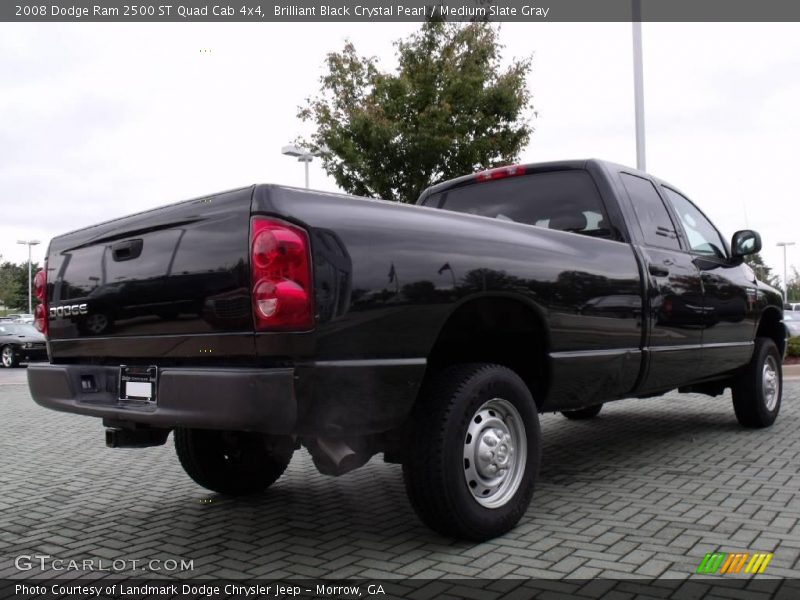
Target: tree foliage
[
  {"x": 763, "y": 272},
  {"x": 794, "y": 286},
  {"x": 449, "y": 109},
  {"x": 14, "y": 285}
]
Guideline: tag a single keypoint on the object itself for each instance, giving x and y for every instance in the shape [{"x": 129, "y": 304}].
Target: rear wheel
[
  {"x": 9, "y": 357},
  {"x": 474, "y": 452},
  {"x": 758, "y": 388},
  {"x": 581, "y": 414},
  {"x": 232, "y": 462}
]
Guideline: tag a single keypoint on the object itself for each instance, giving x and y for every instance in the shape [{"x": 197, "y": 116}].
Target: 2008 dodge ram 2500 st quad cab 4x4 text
[{"x": 259, "y": 320}]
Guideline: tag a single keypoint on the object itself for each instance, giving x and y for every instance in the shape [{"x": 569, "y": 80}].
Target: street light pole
[
  {"x": 302, "y": 156},
  {"x": 638, "y": 84},
  {"x": 305, "y": 162},
  {"x": 29, "y": 243},
  {"x": 785, "y": 276}
]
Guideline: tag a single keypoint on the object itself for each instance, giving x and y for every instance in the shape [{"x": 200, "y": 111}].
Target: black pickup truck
[{"x": 264, "y": 319}]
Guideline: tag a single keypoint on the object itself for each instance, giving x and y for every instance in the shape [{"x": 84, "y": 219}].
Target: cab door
[
  {"x": 730, "y": 290},
  {"x": 674, "y": 335}
]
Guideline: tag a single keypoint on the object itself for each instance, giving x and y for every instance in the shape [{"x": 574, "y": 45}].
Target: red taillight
[
  {"x": 500, "y": 173},
  {"x": 40, "y": 290},
  {"x": 280, "y": 268}
]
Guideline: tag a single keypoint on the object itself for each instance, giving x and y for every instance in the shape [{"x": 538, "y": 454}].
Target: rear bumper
[
  {"x": 331, "y": 398},
  {"x": 232, "y": 399}
]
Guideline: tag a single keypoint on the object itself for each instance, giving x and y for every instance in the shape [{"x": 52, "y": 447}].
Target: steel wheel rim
[
  {"x": 8, "y": 356},
  {"x": 770, "y": 384},
  {"x": 495, "y": 453}
]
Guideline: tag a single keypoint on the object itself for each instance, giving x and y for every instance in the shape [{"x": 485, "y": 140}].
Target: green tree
[
  {"x": 794, "y": 286},
  {"x": 9, "y": 285},
  {"x": 449, "y": 109},
  {"x": 14, "y": 285},
  {"x": 763, "y": 272}
]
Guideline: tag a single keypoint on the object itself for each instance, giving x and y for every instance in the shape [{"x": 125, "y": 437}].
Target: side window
[
  {"x": 703, "y": 237},
  {"x": 656, "y": 224},
  {"x": 562, "y": 200}
]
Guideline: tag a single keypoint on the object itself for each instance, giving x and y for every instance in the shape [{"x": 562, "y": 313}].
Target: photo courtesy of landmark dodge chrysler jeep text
[{"x": 259, "y": 320}]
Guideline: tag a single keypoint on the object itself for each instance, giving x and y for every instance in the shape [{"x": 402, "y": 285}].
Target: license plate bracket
[{"x": 138, "y": 383}]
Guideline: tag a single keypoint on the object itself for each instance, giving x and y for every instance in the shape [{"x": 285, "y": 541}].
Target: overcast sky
[{"x": 101, "y": 120}]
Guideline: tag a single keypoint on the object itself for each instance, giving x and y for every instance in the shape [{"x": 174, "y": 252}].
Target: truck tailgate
[{"x": 179, "y": 273}]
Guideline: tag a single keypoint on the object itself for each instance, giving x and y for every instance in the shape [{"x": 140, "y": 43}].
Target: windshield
[{"x": 18, "y": 329}]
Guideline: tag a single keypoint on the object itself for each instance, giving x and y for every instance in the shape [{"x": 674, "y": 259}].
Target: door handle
[{"x": 657, "y": 270}]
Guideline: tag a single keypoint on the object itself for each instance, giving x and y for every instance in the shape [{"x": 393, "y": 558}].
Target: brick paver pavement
[{"x": 644, "y": 490}]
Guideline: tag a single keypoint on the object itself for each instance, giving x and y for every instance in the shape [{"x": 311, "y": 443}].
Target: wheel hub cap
[
  {"x": 495, "y": 449},
  {"x": 770, "y": 383}
]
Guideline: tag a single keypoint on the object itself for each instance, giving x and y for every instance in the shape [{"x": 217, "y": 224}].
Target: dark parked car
[
  {"x": 434, "y": 334},
  {"x": 20, "y": 342}
]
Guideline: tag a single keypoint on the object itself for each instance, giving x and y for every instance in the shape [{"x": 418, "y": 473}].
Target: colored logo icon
[{"x": 726, "y": 563}]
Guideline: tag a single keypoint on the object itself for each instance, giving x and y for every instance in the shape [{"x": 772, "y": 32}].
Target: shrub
[{"x": 793, "y": 349}]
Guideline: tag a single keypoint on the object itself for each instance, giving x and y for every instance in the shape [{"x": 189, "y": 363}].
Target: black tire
[
  {"x": 753, "y": 403},
  {"x": 436, "y": 467},
  {"x": 581, "y": 414},
  {"x": 10, "y": 358},
  {"x": 232, "y": 462}
]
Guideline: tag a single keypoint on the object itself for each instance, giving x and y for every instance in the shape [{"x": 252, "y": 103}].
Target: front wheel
[
  {"x": 9, "y": 357},
  {"x": 758, "y": 388},
  {"x": 232, "y": 462},
  {"x": 474, "y": 452}
]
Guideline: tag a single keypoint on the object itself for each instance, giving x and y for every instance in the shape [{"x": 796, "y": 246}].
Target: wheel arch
[
  {"x": 505, "y": 329},
  {"x": 771, "y": 325}
]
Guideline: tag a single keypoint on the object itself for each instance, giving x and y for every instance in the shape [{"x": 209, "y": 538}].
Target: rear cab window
[
  {"x": 658, "y": 229},
  {"x": 561, "y": 200}
]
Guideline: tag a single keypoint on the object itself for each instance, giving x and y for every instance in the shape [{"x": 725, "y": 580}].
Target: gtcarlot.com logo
[
  {"x": 726, "y": 563},
  {"x": 45, "y": 562}
]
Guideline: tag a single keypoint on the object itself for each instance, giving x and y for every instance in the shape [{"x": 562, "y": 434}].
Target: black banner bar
[
  {"x": 399, "y": 10},
  {"x": 109, "y": 588}
]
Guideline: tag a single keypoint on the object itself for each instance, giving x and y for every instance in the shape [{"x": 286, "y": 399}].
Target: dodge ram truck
[{"x": 262, "y": 320}]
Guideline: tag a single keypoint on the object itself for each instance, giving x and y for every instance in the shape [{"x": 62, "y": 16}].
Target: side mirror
[{"x": 745, "y": 242}]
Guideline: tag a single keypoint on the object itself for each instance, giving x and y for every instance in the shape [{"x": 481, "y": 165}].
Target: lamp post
[
  {"x": 29, "y": 243},
  {"x": 638, "y": 84},
  {"x": 303, "y": 156},
  {"x": 785, "y": 278}
]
